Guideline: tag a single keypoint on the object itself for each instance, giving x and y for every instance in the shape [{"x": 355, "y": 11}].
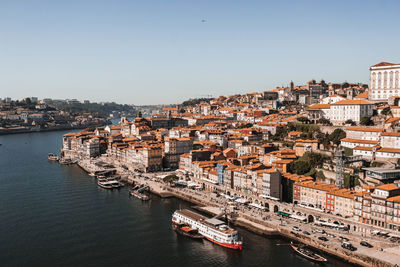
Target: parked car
[
  {"x": 343, "y": 239},
  {"x": 306, "y": 233},
  {"x": 323, "y": 238},
  {"x": 295, "y": 228},
  {"x": 348, "y": 246},
  {"x": 319, "y": 230},
  {"x": 366, "y": 244}
]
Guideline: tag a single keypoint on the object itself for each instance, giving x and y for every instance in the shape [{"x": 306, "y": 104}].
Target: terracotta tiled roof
[
  {"x": 390, "y": 134},
  {"x": 382, "y": 64},
  {"x": 387, "y": 187},
  {"x": 352, "y": 102},
  {"x": 364, "y": 129},
  {"x": 362, "y": 95},
  {"x": 359, "y": 141},
  {"x": 365, "y": 148},
  {"x": 319, "y": 106},
  {"x": 389, "y": 150}
]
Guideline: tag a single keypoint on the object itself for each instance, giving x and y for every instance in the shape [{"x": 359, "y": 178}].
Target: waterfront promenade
[{"x": 384, "y": 252}]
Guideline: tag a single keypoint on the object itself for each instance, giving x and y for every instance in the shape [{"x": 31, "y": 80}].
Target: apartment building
[
  {"x": 312, "y": 193},
  {"x": 272, "y": 183}
]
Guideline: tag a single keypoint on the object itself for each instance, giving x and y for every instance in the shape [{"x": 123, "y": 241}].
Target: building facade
[{"x": 384, "y": 81}]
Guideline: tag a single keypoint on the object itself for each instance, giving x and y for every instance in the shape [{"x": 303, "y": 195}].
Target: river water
[{"x": 53, "y": 215}]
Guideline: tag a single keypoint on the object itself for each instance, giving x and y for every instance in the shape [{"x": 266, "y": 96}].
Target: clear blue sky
[{"x": 150, "y": 52}]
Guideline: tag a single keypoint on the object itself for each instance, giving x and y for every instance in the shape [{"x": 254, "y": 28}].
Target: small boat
[
  {"x": 105, "y": 184},
  {"x": 141, "y": 196},
  {"x": 53, "y": 157},
  {"x": 306, "y": 253},
  {"x": 65, "y": 161},
  {"x": 187, "y": 231},
  {"x": 115, "y": 184}
]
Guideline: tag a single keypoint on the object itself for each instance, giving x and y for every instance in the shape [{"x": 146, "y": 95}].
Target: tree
[
  {"x": 366, "y": 121},
  {"x": 307, "y": 163},
  {"x": 299, "y": 167},
  {"x": 336, "y": 135},
  {"x": 386, "y": 111},
  {"x": 170, "y": 178},
  {"x": 303, "y": 120},
  {"x": 320, "y": 175},
  {"x": 351, "y": 122},
  {"x": 350, "y": 181},
  {"x": 247, "y": 125},
  {"x": 324, "y": 121}
]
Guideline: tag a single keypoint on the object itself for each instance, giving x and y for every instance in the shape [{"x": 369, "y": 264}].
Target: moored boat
[
  {"x": 106, "y": 184},
  {"x": 187, "y": 231},
  {"x": 139, "y": 195},
  {"x": 306, "y": 253},
  {"x": 212, "y": 229},
  {"x": 65, "y": 161},
  {"x": 53, "y": 157}
]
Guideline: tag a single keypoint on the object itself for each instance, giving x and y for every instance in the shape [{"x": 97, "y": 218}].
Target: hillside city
[
  {"x": 31, "y": 114},
  {"x": 325, "y": 152}
]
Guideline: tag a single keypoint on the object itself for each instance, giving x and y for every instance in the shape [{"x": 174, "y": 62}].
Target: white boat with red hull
[{"x": 212, "y": 229}]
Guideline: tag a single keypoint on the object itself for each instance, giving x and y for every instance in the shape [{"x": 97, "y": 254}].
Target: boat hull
[
  {"x": 231, "y": 246},
  {"x": 196, "y": 236},
  {"x": 318, "y": 258}
]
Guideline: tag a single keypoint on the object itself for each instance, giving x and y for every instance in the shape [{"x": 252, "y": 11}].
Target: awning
[
  {"x": 298, "y": 217},
  {"x": 269, "y": 197},
  {"x": 257, "y": 206},
  {"x": 210, "y": 181},
  {"x": 241, "y": 200}
]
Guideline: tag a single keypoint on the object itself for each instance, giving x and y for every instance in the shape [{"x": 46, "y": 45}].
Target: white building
[
  {"x": 384, "y": 81},
  {"x": 350, "y": 110},
  {"x": 332, "y": 99}
]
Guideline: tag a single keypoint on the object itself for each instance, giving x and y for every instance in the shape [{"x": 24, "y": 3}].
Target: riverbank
[
  {"x": 23, "y": 129},
  {"x": 268, "y": 229},
  {"x": 263, "y": 223}
]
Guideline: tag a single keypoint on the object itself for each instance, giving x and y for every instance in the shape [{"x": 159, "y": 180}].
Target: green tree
[
  {"x": 303, "y": 120},
  {"x": 385, "y": 111},
  {"x": 246, "y": 125},
  {"x": 350, "y": 181},
  {"x": 324, "y": 121},
  {"x": 299, "y": 167},
  {"x": 170, "y": 178},
  {"x": 351, "y": 122},
  {"x": 366, "y": 121},
  {"x": 336, "y": 135},
  {"x": 320, "y": 175}
]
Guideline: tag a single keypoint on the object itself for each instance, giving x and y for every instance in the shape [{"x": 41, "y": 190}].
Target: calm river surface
[{"x": 53, "y": 215}]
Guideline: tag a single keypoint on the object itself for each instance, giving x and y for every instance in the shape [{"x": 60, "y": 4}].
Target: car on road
[
  {"x": 348, "y": 246},
  {"x": 306, "y": 233},
  {"x": 295, "y": 228},
  {"x": 323, "y": 238},
  {"x": 366, "y": 244}
]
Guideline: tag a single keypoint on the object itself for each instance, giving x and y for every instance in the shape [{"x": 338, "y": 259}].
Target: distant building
[{"x": 384, "y": 81}]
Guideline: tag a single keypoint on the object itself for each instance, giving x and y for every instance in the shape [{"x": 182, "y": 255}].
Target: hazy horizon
[{"x": 158, "y": 52}]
